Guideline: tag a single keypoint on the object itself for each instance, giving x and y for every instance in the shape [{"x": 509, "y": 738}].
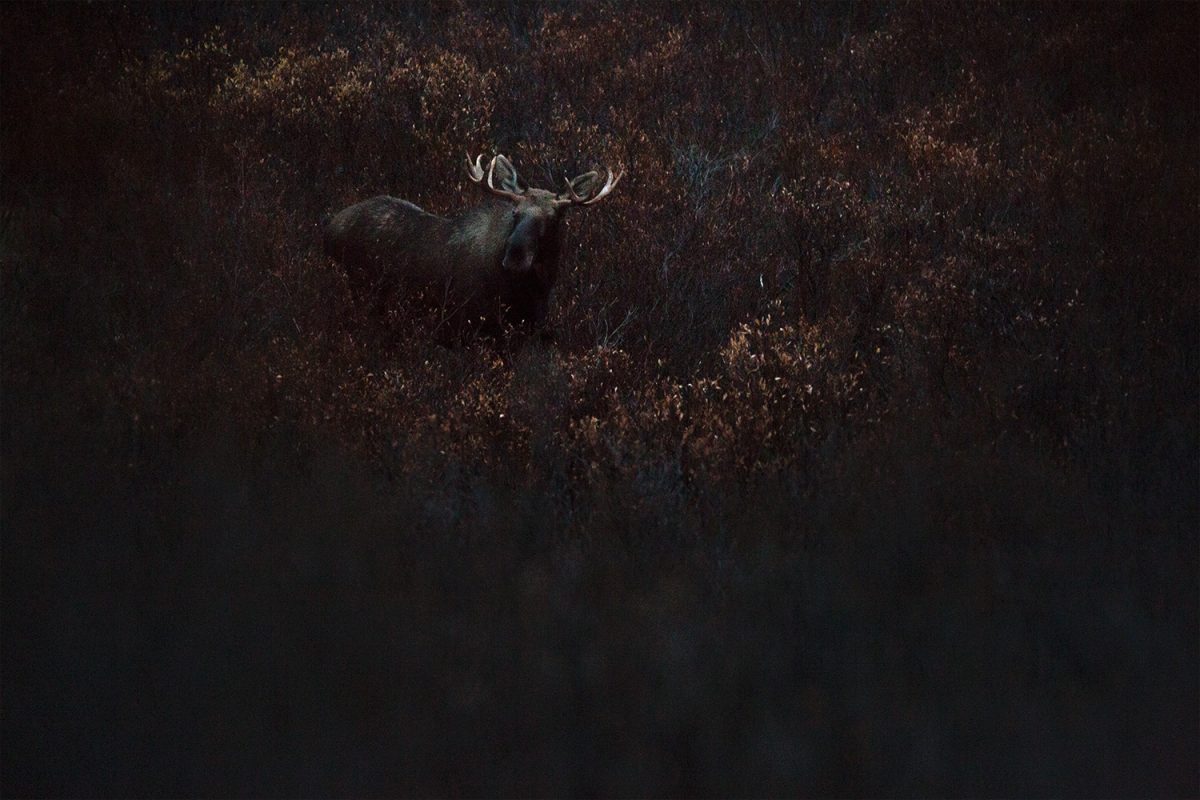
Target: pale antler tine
[
  {"x": 514, "y": 196},
  {"x": 572, "y": 197},
  {"x": 609, "y": 185},
  {"x": 474, "y": 170},
  {"x": 491, "y": 168},
  {"x": 575, "y": 197},
  {"x": 513, "y": 183}
]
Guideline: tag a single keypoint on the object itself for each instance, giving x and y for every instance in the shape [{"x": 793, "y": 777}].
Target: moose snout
[{"x": 517, "y": 259}]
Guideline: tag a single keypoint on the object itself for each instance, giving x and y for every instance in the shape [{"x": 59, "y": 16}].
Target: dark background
[{"x": 867, "y": 461}]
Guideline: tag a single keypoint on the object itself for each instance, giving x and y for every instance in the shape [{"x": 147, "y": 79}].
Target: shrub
[{"x": 864, "y": 462}]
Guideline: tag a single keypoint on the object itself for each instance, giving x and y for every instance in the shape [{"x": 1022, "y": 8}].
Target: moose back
[{"x": 488, "y": 268}]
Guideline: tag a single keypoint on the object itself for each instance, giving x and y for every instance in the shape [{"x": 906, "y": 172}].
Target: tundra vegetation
[{"x": 865, "y": 462}]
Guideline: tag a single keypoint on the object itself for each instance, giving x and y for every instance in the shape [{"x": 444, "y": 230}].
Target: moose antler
[
  {"x": 570, "y": 197},
  {"x": 476, "y": 173}
]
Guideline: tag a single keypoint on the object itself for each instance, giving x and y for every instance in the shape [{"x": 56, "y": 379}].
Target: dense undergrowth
[{"x": 865, "y": 461}]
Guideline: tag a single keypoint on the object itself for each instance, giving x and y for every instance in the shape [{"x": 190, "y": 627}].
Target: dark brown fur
[{"x": 488, "y": 267}]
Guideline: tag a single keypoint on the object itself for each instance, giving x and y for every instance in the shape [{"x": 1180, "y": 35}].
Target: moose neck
[{"x": 481, "y": 235}]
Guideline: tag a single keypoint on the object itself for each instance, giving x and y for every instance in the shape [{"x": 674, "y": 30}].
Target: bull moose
[{"x": 488, "y": 268}]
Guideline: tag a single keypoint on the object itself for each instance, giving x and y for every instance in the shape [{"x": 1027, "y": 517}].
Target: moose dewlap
[{"x": 489, "y": 267}]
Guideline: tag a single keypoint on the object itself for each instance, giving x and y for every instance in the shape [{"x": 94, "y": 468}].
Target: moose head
[{"x": 535, "y": 212}]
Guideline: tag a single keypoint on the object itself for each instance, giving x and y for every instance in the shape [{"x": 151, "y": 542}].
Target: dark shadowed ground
[{"x": 867, "y": 460}]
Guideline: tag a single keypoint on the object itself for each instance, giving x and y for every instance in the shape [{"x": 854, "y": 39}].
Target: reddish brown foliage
[
  {"x": 859, "y": 250},
  {"x": 952, "y": 210}
]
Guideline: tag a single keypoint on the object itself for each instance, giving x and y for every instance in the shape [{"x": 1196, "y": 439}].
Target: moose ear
[
  {"x": 585, "y": 184},
  {"x": 506, "y": 175}
]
